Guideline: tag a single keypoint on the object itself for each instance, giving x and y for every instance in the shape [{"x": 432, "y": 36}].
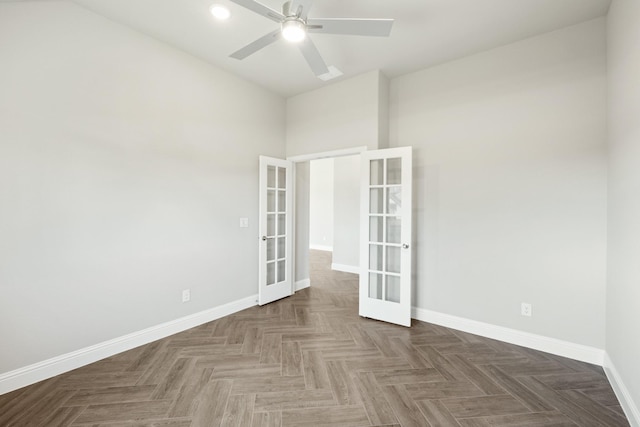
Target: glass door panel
[
  {"x": 375, "y": 285},
  {"x": 282, "y": 177},
  {"x": 271, "y": 201},
  {"x": 271, "y": 176},
  {"x": 393, "y": 289},
  {"x": 376, "y": 228},
  {"x": 271, "y": 273},
  {"x": 271, "y": 225},
  {"x": 377, "y": 172},
  {"x": 393, "y": 259},
  {"x": 394, "y": 200},
  {"x": 282, "y": 201},
  {"x": 394, "y": 169},
  {"x": 271, "y": 250},
  {"x": 394, "y": 229},
  {"x": 376, "y": 201}
]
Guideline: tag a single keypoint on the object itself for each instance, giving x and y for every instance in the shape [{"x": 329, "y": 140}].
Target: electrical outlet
[
  {"x": 244, "y": 222},
  {"x": 525, "y": 309},
  {"x": 186, "y": 295}
]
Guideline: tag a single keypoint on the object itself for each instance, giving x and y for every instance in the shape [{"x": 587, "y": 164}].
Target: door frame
[{"x": 307, "y": 158}]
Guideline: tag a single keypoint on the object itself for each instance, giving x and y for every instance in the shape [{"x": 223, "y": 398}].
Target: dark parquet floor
[{"x": 310, "y": 360}]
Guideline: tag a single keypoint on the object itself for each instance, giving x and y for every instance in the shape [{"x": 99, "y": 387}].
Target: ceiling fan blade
[
  {"x": 263, "y": 41},
  {"x": 260, "y": 9},
  {"x": 300, "y": 7},
  {"x": 311, "y": 54},
  {"x": 355, "y": 27}
]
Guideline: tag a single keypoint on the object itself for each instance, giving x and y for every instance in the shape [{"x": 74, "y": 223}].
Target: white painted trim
[
  {"x": 31, "y": 374},
  {"x": 537, "y": 342},
  {"x": 328, "y": 154},
  {"x": 346, "y": 268},
  {"x": 294, "y": 212},
  {"x": 302, "y": 284},
  {"x": 622, "y": 392},
  {"x": 321, "y": 248}
]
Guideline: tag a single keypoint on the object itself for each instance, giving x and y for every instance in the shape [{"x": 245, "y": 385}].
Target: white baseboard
[
  {"x": 302, "y": 284},
  {"x": 346, "y": 268},
  {"x": 538, "y": 342},
  {"x": 321, "y": 248},
  {"x": 31, "y": 374},
  {"x": 622, "y": 392}
]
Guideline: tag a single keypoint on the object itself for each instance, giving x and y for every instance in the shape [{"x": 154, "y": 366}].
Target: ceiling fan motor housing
[{"x": 286, "y": 10}]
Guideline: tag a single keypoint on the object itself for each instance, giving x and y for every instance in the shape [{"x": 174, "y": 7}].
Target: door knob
[
  {"x": 264, "y": 238},
  {"x": 405, "y": 246}
]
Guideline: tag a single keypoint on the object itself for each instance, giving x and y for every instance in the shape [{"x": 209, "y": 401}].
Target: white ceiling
[{"x": 425, "y": 33}]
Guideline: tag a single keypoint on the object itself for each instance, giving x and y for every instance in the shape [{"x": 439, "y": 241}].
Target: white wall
[
  {"x": 321, "y": 204},
  {"x": 124, "y": 167},
  {"x": 337, "y": 116},
  {"x": 302, "y": 221},
  {"x": 510, "y": 183},
  {"x": 623, "y": 291},
  {"x": 384, "y": 87},
  {"x": 346, "y": 213}
]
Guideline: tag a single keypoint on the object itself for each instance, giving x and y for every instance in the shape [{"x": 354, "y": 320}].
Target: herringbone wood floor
[{"x": 310, "y": 360}]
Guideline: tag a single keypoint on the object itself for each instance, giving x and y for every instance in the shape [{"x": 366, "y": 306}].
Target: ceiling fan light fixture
[
  {"x": 220, "y": 12},
  {"x": 294, "y": 30}
]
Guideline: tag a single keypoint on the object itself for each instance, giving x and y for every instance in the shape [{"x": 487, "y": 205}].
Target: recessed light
[{"x": 220, "y": 12}]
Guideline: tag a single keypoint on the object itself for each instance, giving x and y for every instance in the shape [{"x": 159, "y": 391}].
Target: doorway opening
[{"x": 334, "y": 210}]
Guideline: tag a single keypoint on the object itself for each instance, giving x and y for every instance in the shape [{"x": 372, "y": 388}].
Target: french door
[
  {"x": 276, "y": 230},
  {"x": 385, "y": 234}
]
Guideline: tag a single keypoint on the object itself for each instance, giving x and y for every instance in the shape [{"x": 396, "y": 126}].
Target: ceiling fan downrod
[{"x": 286, "y": 10}]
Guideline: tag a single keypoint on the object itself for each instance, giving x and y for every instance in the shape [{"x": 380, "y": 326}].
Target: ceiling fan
[{"x": 294, "y": 26}]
